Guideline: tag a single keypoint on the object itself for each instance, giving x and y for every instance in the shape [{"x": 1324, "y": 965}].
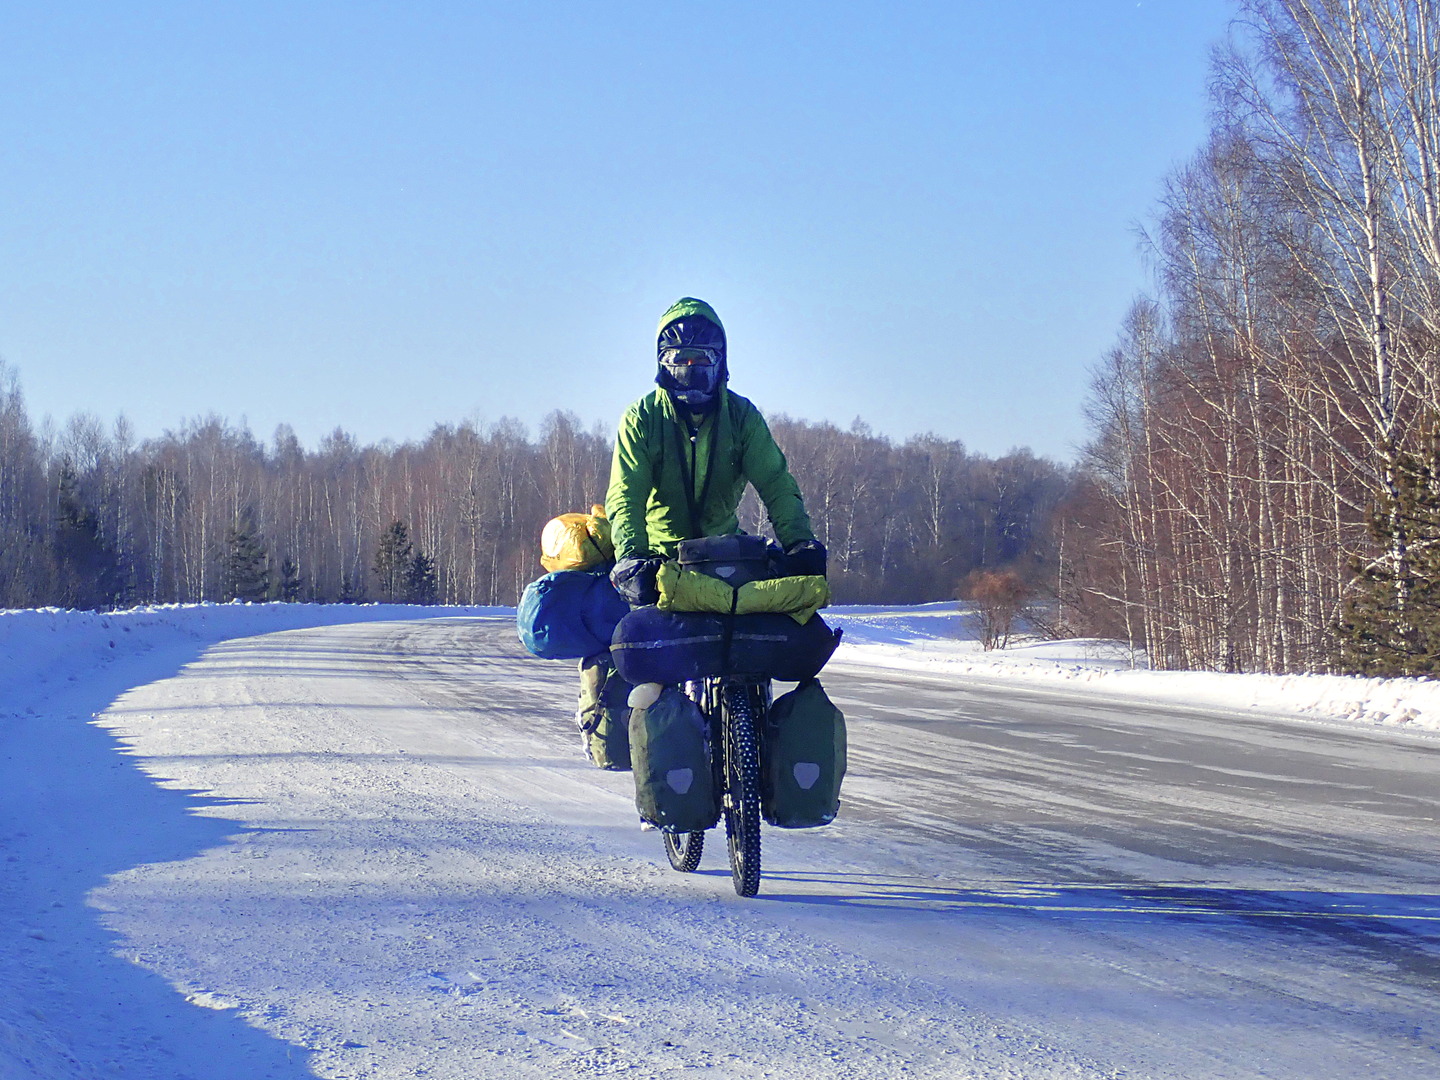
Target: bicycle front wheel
[
  {"x": 742, "y": 710},
  {"x": 683, "y": 850}
]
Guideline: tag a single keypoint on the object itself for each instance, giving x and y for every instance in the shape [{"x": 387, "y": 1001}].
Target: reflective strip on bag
[{"x": 708, "y": 639}]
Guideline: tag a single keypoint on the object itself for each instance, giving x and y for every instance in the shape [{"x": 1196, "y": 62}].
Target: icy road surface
[{"x": 402, "y": 866}]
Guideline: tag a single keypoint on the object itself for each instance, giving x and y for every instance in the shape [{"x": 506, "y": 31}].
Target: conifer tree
[
  {"x": 288, "y": 584},
  {"x": 352, "y": 590},
  {"x": 247, "y": 565},
  {"x": 1391, "y": 622},
  {"x": 393, "y": 558},
  {"x": 88, "y": 570},
  {"x": 422, "y": 586}
]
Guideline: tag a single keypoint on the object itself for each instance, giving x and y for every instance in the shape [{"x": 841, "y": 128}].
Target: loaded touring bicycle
[
  {"x": 707, "y": 741},
  {"x": 680, "y": 690}
]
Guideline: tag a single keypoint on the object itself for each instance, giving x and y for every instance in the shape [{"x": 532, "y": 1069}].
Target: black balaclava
[{"x": 695, "y": 387}]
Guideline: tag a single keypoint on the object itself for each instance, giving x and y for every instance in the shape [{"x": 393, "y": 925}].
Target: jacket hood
[{"x": 690, "y": 322}]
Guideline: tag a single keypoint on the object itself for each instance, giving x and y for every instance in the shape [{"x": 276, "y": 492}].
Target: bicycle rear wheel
[
  {"x": 683, "y": 850},
  {"x": 742, "y": 709}
]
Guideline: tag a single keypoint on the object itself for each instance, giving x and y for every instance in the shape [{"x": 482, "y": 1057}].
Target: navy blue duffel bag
[
  {"x": 671, "y": 647},
  {"x": 569, "y": 615}
]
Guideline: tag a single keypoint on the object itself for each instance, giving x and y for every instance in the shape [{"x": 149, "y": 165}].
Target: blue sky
[{"x": 383, "y": 216}]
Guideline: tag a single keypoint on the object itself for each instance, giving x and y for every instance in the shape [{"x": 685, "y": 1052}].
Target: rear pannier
[
  {"x": 674, "y": 789},
  {"x": 604, "y": 715},
  {"x": 671, "y": 647},
  {"x": 803, "y": 761}
]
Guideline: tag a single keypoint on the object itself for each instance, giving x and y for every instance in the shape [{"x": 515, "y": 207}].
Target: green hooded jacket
[{"x": 667, "y": 485}]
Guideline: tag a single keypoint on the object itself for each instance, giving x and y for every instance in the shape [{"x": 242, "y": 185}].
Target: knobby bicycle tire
[
  {"x": 742, "y": 787},
  {"x": 684, "y": 850}
]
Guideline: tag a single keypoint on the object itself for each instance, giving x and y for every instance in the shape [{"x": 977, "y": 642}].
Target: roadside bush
[{"x": 999, "y": 596}]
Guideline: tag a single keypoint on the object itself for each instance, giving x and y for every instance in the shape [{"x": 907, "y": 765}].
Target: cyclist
[{"x": 683, "y": 455}]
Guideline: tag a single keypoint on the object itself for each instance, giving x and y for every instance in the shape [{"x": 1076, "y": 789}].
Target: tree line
[
  {"x": 1260, "y": 428},
  {"x": 1261, "y": 490},
  {"x": 92, "y": 517}
]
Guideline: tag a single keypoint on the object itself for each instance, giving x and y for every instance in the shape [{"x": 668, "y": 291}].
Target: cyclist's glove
[
  {"x": 806, "y": 557},
  {"x": 634, "y": 579}
]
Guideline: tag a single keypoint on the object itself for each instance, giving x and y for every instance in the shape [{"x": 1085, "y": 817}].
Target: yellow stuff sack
[
  {"x": 685, "y": 590},
  {"x": 576, "y": 541}
]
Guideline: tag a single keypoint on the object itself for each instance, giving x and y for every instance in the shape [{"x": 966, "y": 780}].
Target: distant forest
[{"x": 91, "y": 517}]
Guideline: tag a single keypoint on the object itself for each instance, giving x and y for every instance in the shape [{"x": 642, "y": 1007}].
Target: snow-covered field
[
  {"x": 935, "y": 637},
  {"x": 238, "y": 845}
]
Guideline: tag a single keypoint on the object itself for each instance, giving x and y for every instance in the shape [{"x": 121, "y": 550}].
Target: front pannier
[
  {"x": 804, "y": 759},
  {"x": 674, "y": 789},
  {"x": 672, "y": 647}
]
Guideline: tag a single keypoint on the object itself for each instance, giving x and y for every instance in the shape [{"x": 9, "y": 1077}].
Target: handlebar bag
[
  {"x": 569, "y": 615},
  {"x": 803, "y": 758},
  {"x": 674, "y": 788},
  {"x": 736, "y": 558},
  {"x": 669, "y": 647}
]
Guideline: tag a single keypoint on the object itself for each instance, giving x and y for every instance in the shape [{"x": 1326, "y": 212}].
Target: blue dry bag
[{"x": 569, "y": 615}]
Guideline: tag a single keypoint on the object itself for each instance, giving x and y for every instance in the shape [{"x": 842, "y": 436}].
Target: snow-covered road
[{"x": 376, "y": 851}]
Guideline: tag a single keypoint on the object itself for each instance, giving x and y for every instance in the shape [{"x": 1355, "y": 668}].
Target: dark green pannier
[
  {"x": 604, "y": 716},
  {"x": 674, "y": 790},
  {"x": 803, "y": 759}
]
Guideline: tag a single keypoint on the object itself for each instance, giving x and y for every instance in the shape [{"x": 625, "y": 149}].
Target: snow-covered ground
[
  {"x": 934, "y": 638},
  {"x": 238, "y": 845},
  {"x": 36, "y": 645},
  {"x": 939, "y": 638},
  {"x": 60, "y": 780}
]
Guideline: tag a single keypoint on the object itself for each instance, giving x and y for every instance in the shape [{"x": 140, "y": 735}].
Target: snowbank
[
  {"x": 33, "y": 641},
  {"x": 939, "y": 639}
]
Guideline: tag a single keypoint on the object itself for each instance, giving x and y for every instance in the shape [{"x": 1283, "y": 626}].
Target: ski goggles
[
  {"x": 701, "y": 376},
  {"x": 689, "y": 356}
]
